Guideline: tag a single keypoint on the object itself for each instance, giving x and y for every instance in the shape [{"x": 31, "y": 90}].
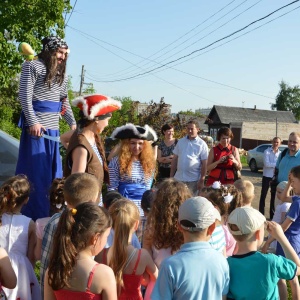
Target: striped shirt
[
  {"x": 137, "y": 176},
  {"x": 33, "y": 88},
  {"x": 217, "y": 239}
]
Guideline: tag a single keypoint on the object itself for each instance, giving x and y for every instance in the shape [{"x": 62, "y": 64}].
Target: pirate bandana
[{"x": 52, "y": 43}]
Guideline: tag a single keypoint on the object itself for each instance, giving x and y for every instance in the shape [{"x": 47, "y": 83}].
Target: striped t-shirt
[
  {"x": 33, "y": 88},
  {"x": 217, "y": 239},
  {"x": 137, "y": 176}
]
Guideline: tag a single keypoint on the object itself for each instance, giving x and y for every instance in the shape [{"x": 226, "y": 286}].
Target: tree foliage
[
  {"x": 26, "y": 21},
  {"x": 288, "y": 99}
]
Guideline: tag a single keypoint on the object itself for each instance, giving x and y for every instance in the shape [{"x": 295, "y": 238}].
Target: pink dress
[
  {"x": 74, "y": 295},
  {"x": 158, "y": 256},
  {"x": 230, "y": 241}
]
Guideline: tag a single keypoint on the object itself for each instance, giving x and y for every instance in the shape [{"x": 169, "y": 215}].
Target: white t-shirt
[{"x": 190, "y": 154}]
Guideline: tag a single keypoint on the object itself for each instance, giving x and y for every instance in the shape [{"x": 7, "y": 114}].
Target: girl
[
  {"x": 85, "y": 149},
  {"x": 73, "y": 273},
  {"x": 57, "y": 204},
  {"x": 225, "y": 199},
  {"x": 131, "y": 172},
  {"x": 290, "y": 226},
  {"x": 8, "y": 277},
  {"x": 17, "y": 237},
  {"x": 129, "y": 264},
  {"x": 162, "y": 237}
]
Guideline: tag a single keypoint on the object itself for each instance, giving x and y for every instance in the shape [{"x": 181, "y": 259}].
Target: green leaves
[
  {"x": 288, "y": 99},
  {"x": 26, "y": 21}
]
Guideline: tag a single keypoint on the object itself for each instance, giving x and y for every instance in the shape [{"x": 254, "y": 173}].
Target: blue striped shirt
[
  {"x": 33, "y": 88},
  {"x": 137, "y": 176},
  {"x": 217, "y": 239}
]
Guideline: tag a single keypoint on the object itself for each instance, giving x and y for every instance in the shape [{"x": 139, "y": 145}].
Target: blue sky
[{"x": 113, "y": 40}]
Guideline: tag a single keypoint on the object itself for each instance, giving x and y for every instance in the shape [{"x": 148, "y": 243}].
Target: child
[
  {"x": 196, "y": 271},
  {"x": 17, "y": 237},
  {"x": 73, "y": 274},
  {"x": 57, "y": 204},
  {"x": 8, "y": 277},
  {"x": 246, "y": 187},
  {"x": 225, "y": 200},
  {"x": 128, "y": 263},
  {"x": 108, "y": 199},
  {"x": 78, "y": 188},
  {"x": 291, "y": 224},
  {"x": 162, "y": 237},
  {"x": 254, "y": 275},
  {"x": 146, "y": 203},
  {"x": 280, "y": 211}
]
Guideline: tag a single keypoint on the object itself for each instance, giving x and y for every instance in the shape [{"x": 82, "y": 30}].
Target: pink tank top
[{"x": 74, "y": 295}]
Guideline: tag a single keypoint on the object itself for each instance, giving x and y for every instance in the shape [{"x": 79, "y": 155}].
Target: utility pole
[{"x": 82, "y": 80}]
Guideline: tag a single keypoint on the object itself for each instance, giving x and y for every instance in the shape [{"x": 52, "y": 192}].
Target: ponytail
[
  {"x": 74, "y": 232},
  {"x": 64, "y": 252},
  {"x": 124, "y": 214}
]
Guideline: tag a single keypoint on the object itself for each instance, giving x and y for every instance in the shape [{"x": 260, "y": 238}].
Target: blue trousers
[{"x": 39, "y": 159}]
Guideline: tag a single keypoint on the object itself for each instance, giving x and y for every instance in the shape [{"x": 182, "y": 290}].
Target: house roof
[
  {"x": 201, "y": 120},
  {"x": 228, "y": 114}
]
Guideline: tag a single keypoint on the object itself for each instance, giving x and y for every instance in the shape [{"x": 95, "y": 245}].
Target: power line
[
  {"x": 205, "y": 47},
  {"x": 182, "y": 36},
  {"x": 66, "y": 24},
  {"x": 212, "y": 81}
]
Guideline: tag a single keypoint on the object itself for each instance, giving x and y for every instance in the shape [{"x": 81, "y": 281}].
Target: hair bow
[
  {"x": 216, "y": 185},
  {"x": 228, "y": 198}
]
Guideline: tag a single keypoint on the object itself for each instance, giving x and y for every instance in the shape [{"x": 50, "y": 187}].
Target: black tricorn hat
[{"x": 131, "y": 131}]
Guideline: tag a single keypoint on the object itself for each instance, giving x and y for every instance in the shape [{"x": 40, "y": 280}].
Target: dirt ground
[{"x": 256, "y": 179}]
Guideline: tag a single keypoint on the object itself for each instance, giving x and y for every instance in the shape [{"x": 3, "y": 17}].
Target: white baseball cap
[
  {"x": 247, "y": 219},
  {"x": 199, "y": 212}
]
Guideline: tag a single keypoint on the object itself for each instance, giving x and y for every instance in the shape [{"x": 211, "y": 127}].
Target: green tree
[
  {"x": 26, "y": 21},
  {"x": 288, "y": 99},
  {"x": 127, "y": 114}
]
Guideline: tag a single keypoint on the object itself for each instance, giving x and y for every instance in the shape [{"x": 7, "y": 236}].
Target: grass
[{"x": 244, "y": 160}]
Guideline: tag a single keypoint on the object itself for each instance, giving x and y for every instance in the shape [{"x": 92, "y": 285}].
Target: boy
[
  {"x": 196, "y": 271},
  {"x": 78, "y": 188},
  {"x": 246, "y": 187},
  {"x": 254, "y": 275}
]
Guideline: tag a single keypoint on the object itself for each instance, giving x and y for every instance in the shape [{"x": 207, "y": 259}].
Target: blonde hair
[
  {"x": 81, "y": 187},
  {"x": 124, "y": 214},
  {"x": 246, "y": 187},
  {"x": 146, "y": 158}
]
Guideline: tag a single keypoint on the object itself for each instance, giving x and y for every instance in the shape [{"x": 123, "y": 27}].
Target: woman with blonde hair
[{"x": 132, "y": 170}]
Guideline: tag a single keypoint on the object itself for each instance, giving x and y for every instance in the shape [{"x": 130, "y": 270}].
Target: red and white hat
[{"x": 96, "y": 105}]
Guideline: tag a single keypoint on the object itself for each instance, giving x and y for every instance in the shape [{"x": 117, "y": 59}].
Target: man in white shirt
[
  {"x": 189, "y": 163},
  {"x": 270, "y": 158}
]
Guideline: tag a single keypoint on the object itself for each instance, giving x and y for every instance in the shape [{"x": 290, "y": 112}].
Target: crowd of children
[{"x": 210, "y": 246}]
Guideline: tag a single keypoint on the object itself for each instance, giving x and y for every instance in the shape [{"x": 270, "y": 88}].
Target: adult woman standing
[
  {"x": 165, "y": 151},
  {"x": 85, "y": 152},
  {"x": 132, "y": 171},
  {"x": 223, "y": 159}
]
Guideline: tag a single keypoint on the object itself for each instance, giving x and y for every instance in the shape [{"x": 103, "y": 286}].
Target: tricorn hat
[
  {"x": 131, "y": 131},
  {"x": 96, "y": 105}
]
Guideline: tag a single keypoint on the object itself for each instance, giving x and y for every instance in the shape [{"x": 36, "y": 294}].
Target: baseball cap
[
  {"x": 199, "y": 212},
  {"x": 247, "y": 219}
]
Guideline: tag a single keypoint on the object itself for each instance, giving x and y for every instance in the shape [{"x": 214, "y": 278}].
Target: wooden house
[{"x": 250, "y": 126}]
